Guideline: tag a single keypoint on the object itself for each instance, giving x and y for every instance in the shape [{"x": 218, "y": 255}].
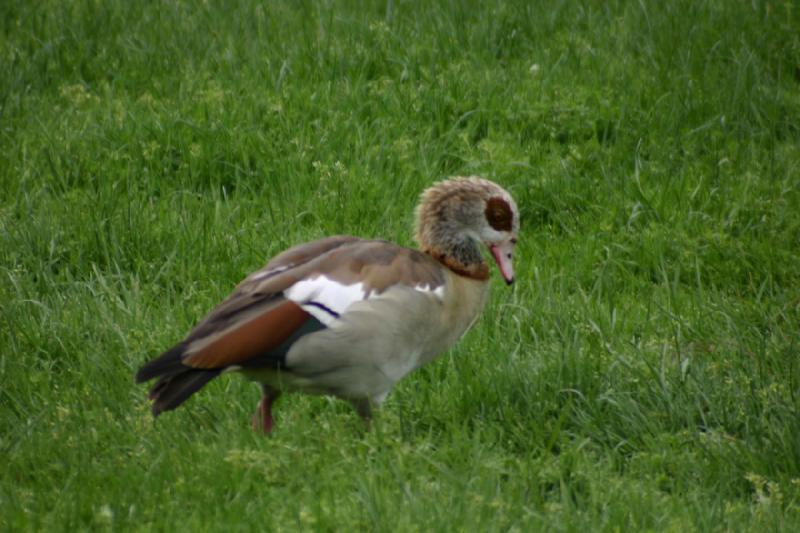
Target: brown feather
[
  {"x": 476, "y": 271},
  {"x": 256, "y": 336},
  {"x": 262, "y": 288},
  {"x": 303, "y": 253},
  {"x": 379, "y": 265}
]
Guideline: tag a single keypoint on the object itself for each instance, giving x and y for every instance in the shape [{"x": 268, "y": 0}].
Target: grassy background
[{"x": 642, "y": 374}]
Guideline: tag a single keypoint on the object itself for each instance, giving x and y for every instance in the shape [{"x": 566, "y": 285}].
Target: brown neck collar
[{"x": 477, "y": 271}]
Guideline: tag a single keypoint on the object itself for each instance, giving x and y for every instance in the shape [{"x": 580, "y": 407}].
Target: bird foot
[{"x": 364, "y": 409}]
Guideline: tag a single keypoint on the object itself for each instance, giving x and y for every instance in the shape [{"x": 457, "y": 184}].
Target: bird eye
[{"x": 513, "y": 240}]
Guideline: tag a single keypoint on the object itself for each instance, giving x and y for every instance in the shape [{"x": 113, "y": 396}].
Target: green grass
[{"x": 643, "y": 373}]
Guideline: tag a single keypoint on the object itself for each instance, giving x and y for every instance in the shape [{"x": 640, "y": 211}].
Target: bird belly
[{"x": 375, "y": 344}]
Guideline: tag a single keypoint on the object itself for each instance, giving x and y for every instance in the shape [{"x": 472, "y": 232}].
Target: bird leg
[
  {"x": 262, "y": 419},
  {"x": 363, "y": 407}
]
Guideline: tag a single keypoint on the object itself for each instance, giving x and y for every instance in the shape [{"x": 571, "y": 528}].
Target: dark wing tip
[
  {"x": 169, "y": 362},
  {"x": 173, "y": 390}
]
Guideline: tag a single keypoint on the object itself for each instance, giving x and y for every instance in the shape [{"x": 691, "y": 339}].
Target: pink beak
[{"x": 503, "y": 253}]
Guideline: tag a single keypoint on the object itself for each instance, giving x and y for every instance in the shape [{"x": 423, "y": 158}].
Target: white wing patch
[
  {"x": 438, "y": 291},
  {"x": 324, "y": 298}
]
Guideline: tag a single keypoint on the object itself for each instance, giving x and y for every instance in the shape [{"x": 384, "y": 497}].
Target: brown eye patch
[{"x": 498, "y": 214}]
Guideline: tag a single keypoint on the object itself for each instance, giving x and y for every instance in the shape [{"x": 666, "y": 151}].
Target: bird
[{"x": 346, "y": 316}]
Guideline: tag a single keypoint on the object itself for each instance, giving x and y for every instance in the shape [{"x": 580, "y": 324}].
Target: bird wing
[
  {"x": 361, "y": 271},
  {"x": 302, "y": 290}
]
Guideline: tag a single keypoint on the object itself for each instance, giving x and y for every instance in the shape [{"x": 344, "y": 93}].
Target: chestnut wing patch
[{"x": 248, "y": 338}]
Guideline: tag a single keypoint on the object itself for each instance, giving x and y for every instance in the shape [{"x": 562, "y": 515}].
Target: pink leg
[{"x": 262, "y": 419}]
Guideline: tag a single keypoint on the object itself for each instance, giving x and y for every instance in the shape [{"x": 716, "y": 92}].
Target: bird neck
[{"x": 461, "y": 255}]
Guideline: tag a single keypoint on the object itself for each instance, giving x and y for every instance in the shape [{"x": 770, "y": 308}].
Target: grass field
[{"x": 643, "y": 373}]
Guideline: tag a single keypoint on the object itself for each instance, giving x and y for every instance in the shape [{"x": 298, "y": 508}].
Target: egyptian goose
[{"x": 346, "y": 316}]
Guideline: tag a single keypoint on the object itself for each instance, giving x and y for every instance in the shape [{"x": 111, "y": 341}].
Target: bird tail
[{"x": 176, "y": 381}]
